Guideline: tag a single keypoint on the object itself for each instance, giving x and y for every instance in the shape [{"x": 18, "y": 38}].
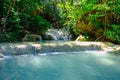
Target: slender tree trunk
[{"x": 7, "y": 15}]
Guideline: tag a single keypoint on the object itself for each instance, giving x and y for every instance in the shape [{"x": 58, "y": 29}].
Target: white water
[{"x": 60, "y": 34}]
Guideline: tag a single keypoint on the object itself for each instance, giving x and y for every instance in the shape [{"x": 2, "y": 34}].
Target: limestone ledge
[{"x": 47, "y": 47}]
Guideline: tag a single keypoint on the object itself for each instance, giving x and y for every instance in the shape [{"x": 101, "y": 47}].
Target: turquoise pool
[{"x": 67, "y": 66}]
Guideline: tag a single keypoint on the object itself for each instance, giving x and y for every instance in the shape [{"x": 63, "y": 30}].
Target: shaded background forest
[{"x": 95, "y": 20}]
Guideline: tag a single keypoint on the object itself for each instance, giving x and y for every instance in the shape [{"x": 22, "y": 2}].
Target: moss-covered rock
[{"x": 32, "y": 37}]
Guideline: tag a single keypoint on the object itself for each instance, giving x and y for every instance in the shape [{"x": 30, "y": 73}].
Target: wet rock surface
[
  {"x": 32, "y": 37},
  {"x": 56, "y": 34},
  {"x": 47, "y": 47}
]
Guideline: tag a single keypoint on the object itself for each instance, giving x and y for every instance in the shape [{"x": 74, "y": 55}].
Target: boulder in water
[
  {"x": 32, "y": 37},
  {"x": 47, "y": 37}
]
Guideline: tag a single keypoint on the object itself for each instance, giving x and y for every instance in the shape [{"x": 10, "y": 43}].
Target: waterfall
[
  {"x": 57, "y": 34},
  {"x": 49, "y": 47}
]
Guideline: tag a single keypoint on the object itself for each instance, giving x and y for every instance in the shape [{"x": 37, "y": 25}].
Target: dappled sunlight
[
  {"x": 48, "y": 47},
  {"x": 21, "y": 46},
  {"x": 29, "y": 62},
  {"x": 50, "y": 44},
  {"x": 86, "y": 66},
  {"x": 21, "y": 62},
  {"x": 33, "y": 61},
  {"x": 102, "y": 57},
  {"x": 70, "y": 45},
  {"x": 65, "y": 66},
  {"x": 43, "y": 54},
  {"x": 106, "y": 61},
  {"x": 36, "y": 62},
  {"x": 98, "y": 53},
  {"x": 88, "y": 43},
  {"x": 59, "y": 39},
  {"x": 36, "y": 46}
]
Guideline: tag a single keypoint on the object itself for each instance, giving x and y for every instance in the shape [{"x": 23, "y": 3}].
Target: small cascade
[
  {"x": 47, "y": 47},
  {"x": 57, "y": 34}
]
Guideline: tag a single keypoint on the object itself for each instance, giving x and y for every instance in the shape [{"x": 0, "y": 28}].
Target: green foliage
[
  {"x": 21, "y": 16},
  {"x": 40, "y": 24},
  {"x": 3, "y": 37},
  {"x": 87, "y": 17},
  {"x": 93, "y": 13},
  {"x": 70, "y": 14},
  {"x": 114, "y": 33}
]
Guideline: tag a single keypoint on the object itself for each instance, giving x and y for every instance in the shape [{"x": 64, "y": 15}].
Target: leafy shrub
[
  {"x": 39, "y": 25},
  {"x": 114, "y": 33},
  {"x": 92, "y": 17},
  {"x": 3, "y": 37}
]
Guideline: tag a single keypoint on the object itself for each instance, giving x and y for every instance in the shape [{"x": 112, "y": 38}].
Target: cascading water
[
  {"x": 55, "y": 46},
  {"x": 57, "y": 34}
]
